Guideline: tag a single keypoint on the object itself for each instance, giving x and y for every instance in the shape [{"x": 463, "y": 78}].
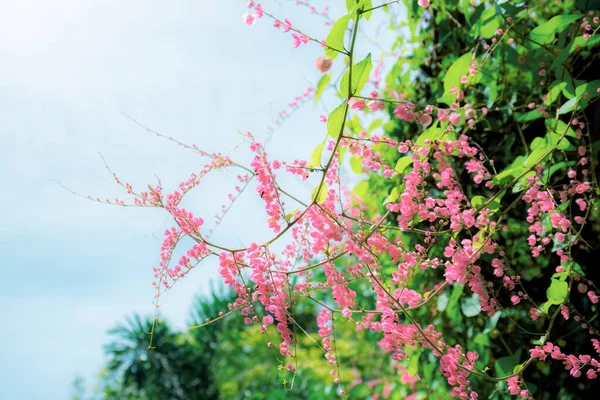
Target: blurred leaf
[
  {"x": 336, "y": 35},
  {"x": 557, "y": 292},
  {"x": 335, "y": 120},
  {"x": 459, "y": 68},
  {"x": 360, "y": 76},
  {"x": 453, "y": 310},
  {"x": 545, "y": 32},
  {"x": 402, "y": 163},
  {"x": 315, "y": 158},
  {"x": 323, "y": 82},
  {"x": 319, "y": 194},
  {"x": 470, "y": 306}
]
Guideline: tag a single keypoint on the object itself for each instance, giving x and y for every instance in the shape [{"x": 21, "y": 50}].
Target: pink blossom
[
  {"x": 425, "y": 119},
  {"x": 249, "y": 19},
  {"x": 323, "y": 64},
  {"x": 455, "y": 118}
]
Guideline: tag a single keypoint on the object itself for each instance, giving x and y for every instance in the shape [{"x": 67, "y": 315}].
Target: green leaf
[
  {"x": 556, "y": 140},
  {"x": 487, "y": 24},
  {"x": 402, "y": 163},
  {"x": 522, "y": 183},
  {"x": 568, "y": 106},
  {"x": 393, "y": 196},
  {"x": 481, "y": 238},
  {"x": 442, "y": 301},
  {"x": 356, "y": 164},
  {"x": 360, "y": 76},
  {"x": 452, "y": 310},
  {"x": 288, "y": 217},
  {"x": 537, "y": 142},
  {"x": 577, "y": 268},
  {"x": 319, "y": 196},
  {"x": 536, "y": 156},
  {"x": 557, "y": 292},
  {"x": 562, "y": 245},
  {"x": 375, "y": 124},
  {"x": 315, "y": 158},
  {"x": 505, "y": 365},
  {"x": 556, "y": 167},
  {"x": 494, "y": 205},
  {"x": 361, "y": 189},
  {"x": 528, "y": 116},
  {"x": 544, "y": 33},
  {"x": 335, "y": 38},
  {"x": 353, "y": 5},
  {"x": 483, "y": 339},
  {"x": 323, "y": 82},
  {"x": 561, "y": 128},
  {"x": 353, "y": 124},
  {"x": 591, "y": 88},
  {"x": 579, "y": 42},
  {"x": 367, "y": 5},
  {"x": 508, "y": 175},
  {"x": 470, "y": 306},
  {"x": 555, "y": 90},
  {"x": 433, "y": 133},
  {"x": 545, "y": 307},
  {"x": 448, "y": 98},
  {"x": 335, "y": 120},
  {"x": 459, "y": 68},
  {"x": 587, "y": 5}
]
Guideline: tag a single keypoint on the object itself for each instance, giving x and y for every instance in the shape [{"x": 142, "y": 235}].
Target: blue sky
[{"x": 191, "y": 69}]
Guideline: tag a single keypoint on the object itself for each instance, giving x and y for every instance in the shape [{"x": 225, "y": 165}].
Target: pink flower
[
  {"x": 357, "y": 104},
  {"x": 591, "y": 374},
  {"x": 513, "y": 385},
  {"x": 455, "y": 118},
  {"x": 564, "y": 310},
  {"x": 287, "y": 25},
  {"x": 425, "y": 119},
  {"x": 375, "y": 105},
  {"x": 249, "y": 19},
  {"x": 423, "y": 3},
  {"x": 403, "y": 112},
  {"x": 538, "y": 352},
  {"x": 581, "y": 203}
]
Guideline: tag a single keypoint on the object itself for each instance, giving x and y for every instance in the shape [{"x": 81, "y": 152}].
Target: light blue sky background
[{"x": 72, "y": 268}]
